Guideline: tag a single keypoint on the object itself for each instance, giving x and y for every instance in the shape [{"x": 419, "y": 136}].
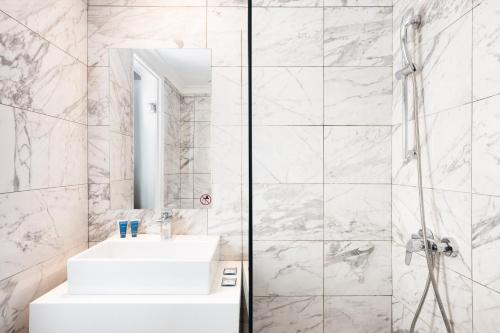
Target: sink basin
[{"x": 146, "y": 265}]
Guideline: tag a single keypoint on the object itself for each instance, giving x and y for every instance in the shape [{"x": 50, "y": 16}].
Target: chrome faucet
[
  {"x": 166, "y": 224},
  {"x": 447, "y": 246}
]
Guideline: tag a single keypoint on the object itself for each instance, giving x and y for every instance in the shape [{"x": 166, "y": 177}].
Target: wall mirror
[{"x": 160, "y": 110}]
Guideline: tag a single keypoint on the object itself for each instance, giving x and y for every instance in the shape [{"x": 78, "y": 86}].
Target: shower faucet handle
[{"x": 415, "y": 244}]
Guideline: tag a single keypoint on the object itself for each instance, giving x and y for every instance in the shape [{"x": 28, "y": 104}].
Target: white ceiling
[{"x": 188, "y": 69}]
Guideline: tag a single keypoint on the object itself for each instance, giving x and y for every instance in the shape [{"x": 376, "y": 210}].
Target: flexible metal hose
[{"x": 428, "y": 253}]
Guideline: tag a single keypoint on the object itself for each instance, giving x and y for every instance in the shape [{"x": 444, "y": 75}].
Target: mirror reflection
[{"x": 170, "y": 133}]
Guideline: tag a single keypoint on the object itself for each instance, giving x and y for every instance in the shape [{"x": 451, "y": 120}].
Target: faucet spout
[{"x": 166, "y": 224}]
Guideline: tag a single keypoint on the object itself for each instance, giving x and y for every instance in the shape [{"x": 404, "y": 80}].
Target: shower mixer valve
[{"x": 447, "y": 246}]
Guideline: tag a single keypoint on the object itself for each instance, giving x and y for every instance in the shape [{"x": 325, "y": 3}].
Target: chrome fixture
[
  {"x": 447, "y": 246},
  {"x": 424, "y": 240},
  {"x": 409, "y": 68},
  {"x": 166, "y": 224}
]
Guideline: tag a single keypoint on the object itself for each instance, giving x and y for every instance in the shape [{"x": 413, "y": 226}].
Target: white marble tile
[
  {"x": 486, "y": 309},
  {"x": 288, "y": 96},
  {"x": 288, "y": 314},
  {"x": 226, "y": 98},
  {"x": 41, "y": 151},
  {"x": 37, "y": 225},
  {"x": 288, "y": 37},
  {"x": 486, "y": 147},
  {"x": 122, "y": 194},
  {"x": 355, "y": 3},
  {"x": 99, "y": 198},
  {"x": 18, "y": 291},
  {"x": 187, "y": 108},
  {"x": 446, "y": 64},
  {"x": 357, "y": 212},
  {"x": 121, "y": 157},
  {"x": 287, "y": 3},
  {"x": 120, "y": 91},
  {"x": 187, "y": 186},
  {"x": 187, "y": 160},
  {"x": 226, "y": 154},
  {"x": 288, "y": 268},
  {"x": 288, "y": 212},
  {"x": 202, "y": 160},
  {"x": 189, "y": 222},
  {"x": 358, "y": 314},
  {"x": 357, "y": 268},
  {"x": 187, "y": 134},
  {"x": 36, "y": 76},
  {"x": 486, "y": 240},
  {"x": 284, "y": 154},
  {"x": 222, "y": 3},
  {"x": 226, "y": 31},
  {"x": 402, "y": 318},
  {"x": 143, "y": 27},
  {"x": 61, "y": 22},
  {"x": 446, "y": 151},
  {"x": 98, "y": 154},
  {"x": 131, "y": 3},
  {"x": 357, "y": 154},
  {"x": 203, "y": 109},
  {"x": 98, "y": 98},
  {"x": 202, "y": 134},
  {"x": 224, "y": 219},
  {"x": 486, "y": 41},
  {"x": 447, "y": 215},
  {"x": 455, "y": 290},
  {"x": 358, "y": 96},
  {"x": 360, "y": 36}
]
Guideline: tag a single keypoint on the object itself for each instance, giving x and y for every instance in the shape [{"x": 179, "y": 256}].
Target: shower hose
[{"x": 431, "y": 279}]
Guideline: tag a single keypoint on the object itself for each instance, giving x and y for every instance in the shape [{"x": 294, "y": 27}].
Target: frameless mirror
[{"x": 160, "y": 114}]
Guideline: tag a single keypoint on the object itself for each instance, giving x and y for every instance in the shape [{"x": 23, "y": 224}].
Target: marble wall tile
[
  {"x": 288, "y": 268},
  {"x": 99, "y": 198},
  {"x": 226, "y": 96},
  {"x": 284, "y": 154},
  {"x": 288, "y": 37},
  {"x": 288, "y": 212},
  {"x": 358, "y": 314},
  {"x": 357, "y": 268},
  {"x": 17, "y": 292},
  {"x": 486, "y": 147},
  {"x": 202, "y": 134},
  {"x": 287, "y": 3},
  {"x": 447, "y": 215},
  {"x": 120, "y": 91},
  {"x": 41, "y": 151},
  {"x": 123, "y": 27},
  {"x": 37, "y": 76},
  {"x": 446, "y": 151},
  {"x": 187, "y": 160},
  {"x": 357, "y": 154},
  {"x": 98, "y": 154},
  {"x": 63, "y": 23},
  {"x": 187, "y": 186},
  {"x": 455, "y": 289},
  {"x": 202, "y": 160},
  {"x": 226, "y": 29},
  {"x": 436, "y": 16},
  {"x": 241, "y": 3},
  {"x": 486, "y": 240},
  {"x": 203, "y": 109},
  {"x": 122, "y": 194},
  {"x": 355, "y": 3},
  {"x": 186, "y": 134},
  {"x": 38, "y": 225},
  {"x": 288, "y": 314},
  {"x": 288, "y": 96},
  {"x": 224, "y": 219},
  {"x": 132, "y": 3},
  {"x": 446, "y": 62},
  {"x": 402, "y": 318},
  {"x": 485, "y": 51},
  {"x": 120, "y": 158},
  {"x": 358, "y": 96},
  {"x": 358, "y": 36},
  {"x": 357, "y": 212},
  {"x": 98, "y": 98},
  {"x": 225, "y": 154},
  {"x": 190, "y": 222},
  {"x": 486, "y": 309},
  {"x": 187, "y": 104},
  {"x": 202, "y": 185}
]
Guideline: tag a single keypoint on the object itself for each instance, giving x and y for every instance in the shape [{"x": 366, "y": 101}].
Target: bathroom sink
[{"x": 146, "y": 265}]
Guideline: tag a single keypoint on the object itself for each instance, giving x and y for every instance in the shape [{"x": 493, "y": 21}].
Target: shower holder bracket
[{"x": 446, "y": 245}]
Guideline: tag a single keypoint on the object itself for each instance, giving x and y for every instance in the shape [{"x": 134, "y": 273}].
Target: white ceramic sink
[{"x": 146, "y": 265}]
